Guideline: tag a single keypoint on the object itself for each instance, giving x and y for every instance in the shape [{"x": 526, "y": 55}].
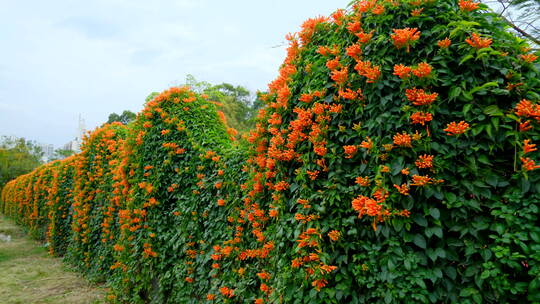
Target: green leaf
[
  {"x": 435, "y": 213},
  {"x": 493, "y": 110},
  {"x": 420, "y": 241}
]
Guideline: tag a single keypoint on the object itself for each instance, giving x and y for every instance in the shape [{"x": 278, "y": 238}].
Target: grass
[{"x": 28, "y": 274}]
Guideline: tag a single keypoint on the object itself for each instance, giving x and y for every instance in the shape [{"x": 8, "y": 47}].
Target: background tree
[
  {"x": 18, "y": 156},
  {"x": 523, "y": 16},
  {"x": 237, "y": 103},
  {"x": 124, "y": 118}
]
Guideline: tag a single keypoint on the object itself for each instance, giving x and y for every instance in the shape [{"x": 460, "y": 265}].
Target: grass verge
[{"x": 28, "y": 274}]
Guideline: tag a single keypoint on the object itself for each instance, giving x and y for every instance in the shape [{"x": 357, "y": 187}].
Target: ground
[{"x": 30, "y": 275}]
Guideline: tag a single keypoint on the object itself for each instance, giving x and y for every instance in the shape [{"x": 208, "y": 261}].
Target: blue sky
[{"x": 60, "y": 59}]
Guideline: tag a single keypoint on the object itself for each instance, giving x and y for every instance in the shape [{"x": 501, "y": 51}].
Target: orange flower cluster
[
  {"x": 372, "y": 73},
  {"x": 405, "y": 37},
  {"x": 419, "y": 97},
  {"x": 350, "y": 151},
  {"x": 454, "y": 128},
  {"x": 402, "y": 140},
  {"x": 528, "y": 57},
  {"x": 424, "y": 161},
  {"x": 422, "y": 70},
  {"x": 445, "y": 43},
  {"x": 477, "y": 42},
  {"x": 420, "y": 118},
  {"x": 526, "y": 108},
  {"x": 468, "y": 5}
]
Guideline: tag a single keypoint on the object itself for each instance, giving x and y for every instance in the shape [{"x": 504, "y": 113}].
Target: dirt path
[{"x": 28, "y": 274}]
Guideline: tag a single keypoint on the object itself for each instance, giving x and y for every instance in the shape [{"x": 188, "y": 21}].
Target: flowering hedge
[{"x": 394, "y": 161}]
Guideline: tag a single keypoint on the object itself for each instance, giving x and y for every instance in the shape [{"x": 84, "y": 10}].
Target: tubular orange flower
[
  {"x": 354, "y": 51},
  {"x": 403, "y": 189},
  {"x": 529, "y": 57},
  {"x": 333, "y": 64},
  {"x": 362, "y": 181},
  {"x": 340, "y": 76},
  {"x": 419, "y": 97},
  {"x": 454, "y": 128},
  {"x": 402, "y": 71},
  {"x": 318, "y": 284},
  {"x": 445, "y": 43},
  {"x": 365, "y": 69},
  {"x": 402, "y": 140},
  {"x": 417, "y": 12},
  {"x": 210, "y": 297},
  {"x": 527, "y": 109},
  {"x": 365, "y": 205},
  {"x": 405, "y": 171},
  {"x": 422, "y": 70},
  {"x": 477, "y": 42},
  {"x": 226, "y": 292},
  {"x": 334, "y": 235},
  {"x": 528, "y": 147},
  {"x": 468, "y": 5},
  {"x": 528, "y": 164},
  {"x": 424, "y": 161},
  {"x": 350, "y": 151},
  {"x": 281, "y": 186},
  {"x": 420, "y": 118},
  {"x": 420, "y": 180},
  {"x": 367, "y": 144},
  {"x": 405, "y": 37},
  {"x": 525, "y": 126}
]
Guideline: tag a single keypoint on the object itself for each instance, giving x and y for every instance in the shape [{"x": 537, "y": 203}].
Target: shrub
[{"x": 394, "y": 161}]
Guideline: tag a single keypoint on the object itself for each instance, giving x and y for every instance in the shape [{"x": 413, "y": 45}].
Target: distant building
[
  {"x": 48, "y": 152},
  {"x": 75, "y": 144}
]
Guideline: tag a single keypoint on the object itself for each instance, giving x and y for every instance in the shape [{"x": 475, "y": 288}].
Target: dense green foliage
[
  {"x": 17, "y": 157},
  {"x": 393, "y": 161}
]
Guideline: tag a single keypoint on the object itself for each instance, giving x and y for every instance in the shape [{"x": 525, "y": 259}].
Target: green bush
[{"x": 393, "y": 162}]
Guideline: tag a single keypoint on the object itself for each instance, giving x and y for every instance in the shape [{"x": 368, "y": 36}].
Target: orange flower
[
  {"x": 118, "y": 247},
  {"x": 454, "y": 128},
  {"x": 348, "y": 94},
  {"x": 363, "y": 37},
  {"x": 528, "y": 147},
  {"x": 221, "y": 202},
  {"x": 420, "y": 118},
  {"x": 528, "y": 57},
  {"x": 334, "y": 235},
  {"x": 422, "y": 70},
  {"x": 378, "y": 9},
  {"x": 312, "y": 174},
  {"x": 367, "y": 144},
  {"x": 340, "y": 76},
  {"x": 419, "y": 97},
  {"x": 477, "y": 42},
  {"x": 403, "y": 189},
  {"x": 350, "y": 151},
  {"x": 259, "y": 301},
  {"x": 405, "y": 171},
  {"x": 333, "y": 64},
  {"x": 189, "y": 280},
  {"x": 307, "y": 98},
  {"x": 420, "y": 180},
  {"x": 365, "y": 205},
  {"x": 365, "y": 69},
  {"x": 527, "y": 109},
  {"x": 405, "y": 37},
  {"x": 529, "y": 164},
  {"x": 468, "y": 5},
  {"x": 403, "y": 140},
  {"x": 318, "y": 284},
  {"x": 264, "y": 275},
  {"x": 424, "y": 161},
  {"x": 445, "y": 43},
  {"x": 281, "y": 186},
  {"x": 354, "y": 51},
  {"x": 402, "y": 71},
  {"x": 226, "y": 292},
  {"x": 210, "y": 297},
  {"x": 525, "y": 126},
  {"x": 362, "y": 181},
  {"x": 417, "y": 12},
  {"x": 385, "y": 169}
]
